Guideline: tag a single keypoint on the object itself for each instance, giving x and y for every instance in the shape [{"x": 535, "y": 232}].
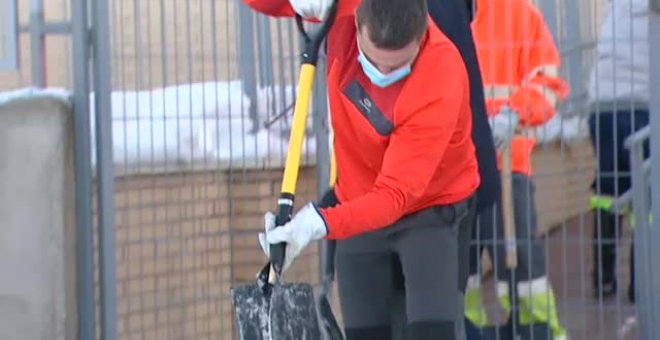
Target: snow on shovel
[
  {"x": 266, "y": 311},
  {"x": 270, "y": 309}
]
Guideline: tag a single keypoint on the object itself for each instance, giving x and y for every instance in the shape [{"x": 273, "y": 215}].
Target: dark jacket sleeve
[{"x": 451, "y": 17}]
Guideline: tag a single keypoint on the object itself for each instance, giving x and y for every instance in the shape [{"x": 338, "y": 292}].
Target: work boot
[
  {"x": 604, "y": 247},
  {"x": 474, "y": 308},
  {"x": 538, "y": 305}
]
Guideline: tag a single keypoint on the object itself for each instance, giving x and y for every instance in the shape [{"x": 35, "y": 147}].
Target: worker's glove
[
  {"x": 305, "y": 226},
  {"x": 504, "y": 125},
  {"x": 307, "y": 9}
]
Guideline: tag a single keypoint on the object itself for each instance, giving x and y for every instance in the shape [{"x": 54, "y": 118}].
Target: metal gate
[{"x": 192, "y": 102}]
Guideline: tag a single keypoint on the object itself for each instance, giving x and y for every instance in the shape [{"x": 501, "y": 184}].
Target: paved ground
[{"x": 586, "y": 316}]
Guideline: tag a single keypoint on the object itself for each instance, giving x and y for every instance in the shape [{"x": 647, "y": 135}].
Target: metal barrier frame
[
  {"x": 10, "y": 61},
  {"x": 91, "y": 55},
  {"x": 648, "y": 308}
]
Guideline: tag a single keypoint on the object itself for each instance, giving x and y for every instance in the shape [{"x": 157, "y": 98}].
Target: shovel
[
  {"x": 270, "y": 309},
  {"x": 512, "y": 329}
]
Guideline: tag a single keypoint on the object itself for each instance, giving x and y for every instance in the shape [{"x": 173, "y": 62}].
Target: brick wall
[{"x": 183, "y": 239}]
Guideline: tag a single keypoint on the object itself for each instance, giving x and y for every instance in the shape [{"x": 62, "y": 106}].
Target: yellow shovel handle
[
  {"x": 291, "y": 168},
  {"x": 298, "y": 129}
]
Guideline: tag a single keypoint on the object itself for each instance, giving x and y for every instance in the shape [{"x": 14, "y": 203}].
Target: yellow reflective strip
[
  {"x": 601, "y": 202},
  {"x": 549, "y": 95},
  {"x": 493, "y": 92}
]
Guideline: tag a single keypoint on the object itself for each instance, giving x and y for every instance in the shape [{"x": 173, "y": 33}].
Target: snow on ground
[
  {"x": 204, "y": 122},
  {"x": 209, "y": 123}
]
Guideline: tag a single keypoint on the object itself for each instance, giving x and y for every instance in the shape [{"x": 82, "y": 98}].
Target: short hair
[{"x": 393, "y": 24}]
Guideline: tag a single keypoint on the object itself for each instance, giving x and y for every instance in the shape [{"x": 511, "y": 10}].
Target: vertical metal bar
[
  {"x": 640, "y": 206},
  {"x": 320, "y": 122},
  {"x": 654, "y": 41},
  {"x": 573, "y": 60},
  {"x": 105, "y": 170},
  {"x": 266, "y": 77},
  {"x": 10, "y": 60},
  {"x": 246, "y": 59},
  {"x": 321, "y": 130},
  {"x": 37, "y": 43},
  {"x": 549, "y": 10},
  {"x": 266, "y": 68},
  {"x": 83, "y": 176}
]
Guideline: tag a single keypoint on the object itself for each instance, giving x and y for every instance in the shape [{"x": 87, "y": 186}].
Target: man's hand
[
  {"x": 305, "y": 226},
  {"x": 312, "y": 8},
  {"x": 504, "y": 126}
]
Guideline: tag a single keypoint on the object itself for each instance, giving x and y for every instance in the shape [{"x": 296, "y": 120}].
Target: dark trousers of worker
[
  {"x": 489, "y": 234},
  {"x": 608, "y": 131},
  {"x": 425, "y": 252},
  {"x": 535, "y": 295}
]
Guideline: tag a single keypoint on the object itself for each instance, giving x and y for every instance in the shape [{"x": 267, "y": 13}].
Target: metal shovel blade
[
  {"x": 288, "y": 312},
  {"x": 293, "y": 312},
  {"x": 251, "y": 309},
  {"x": 328, "y": 320}
]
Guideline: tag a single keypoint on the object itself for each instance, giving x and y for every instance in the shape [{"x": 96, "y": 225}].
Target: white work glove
[
  {"x": 504, "y": 125},
  {"x": 305, "y": 226},
  {"x": 312, "y": 8}
]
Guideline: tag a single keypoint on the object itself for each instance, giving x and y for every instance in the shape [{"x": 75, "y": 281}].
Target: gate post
[
  {"x": 86, "y": 310},
  {"x": 105, "y": 180},
  {"x": 653, "y": 317}
]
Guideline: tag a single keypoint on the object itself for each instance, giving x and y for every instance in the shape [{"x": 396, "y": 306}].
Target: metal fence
[
  {"x": 37, "y": 45},
  {"x": 193, "y": 86},
  {"x": 182, "y": 123}
]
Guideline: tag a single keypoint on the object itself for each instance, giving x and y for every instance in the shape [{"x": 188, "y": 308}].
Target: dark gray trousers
[
  {"x": 489, "y": 234},
  {"x": 423, "y": 258}
]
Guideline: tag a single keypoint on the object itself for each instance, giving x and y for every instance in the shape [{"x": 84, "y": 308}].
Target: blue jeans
[{"x": 608, "y": 132}]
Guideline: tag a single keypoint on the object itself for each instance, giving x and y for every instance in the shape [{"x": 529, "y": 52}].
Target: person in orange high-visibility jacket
[{"x": 520, "y": 69}]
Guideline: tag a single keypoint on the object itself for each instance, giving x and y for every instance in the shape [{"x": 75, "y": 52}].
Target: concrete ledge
[{"x": 37, "y": 218}]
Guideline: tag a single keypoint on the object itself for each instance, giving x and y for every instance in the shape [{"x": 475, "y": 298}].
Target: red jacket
[{"x": 401, "y": 148}]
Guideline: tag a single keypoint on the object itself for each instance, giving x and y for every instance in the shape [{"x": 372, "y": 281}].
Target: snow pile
[
  {"x": 561, "y": 128},
  {"x": 198, "y": 123}
]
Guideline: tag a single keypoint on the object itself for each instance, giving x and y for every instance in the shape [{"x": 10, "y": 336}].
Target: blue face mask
[{"x": 378, "y": 78}]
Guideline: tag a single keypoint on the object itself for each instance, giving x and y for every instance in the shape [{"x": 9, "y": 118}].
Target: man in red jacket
[{"x": 406, "y": 166}]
